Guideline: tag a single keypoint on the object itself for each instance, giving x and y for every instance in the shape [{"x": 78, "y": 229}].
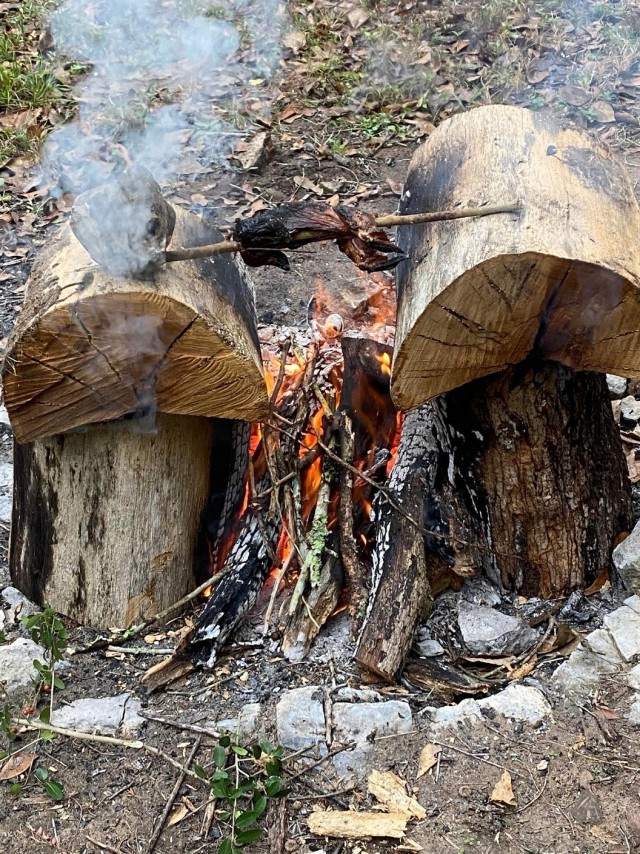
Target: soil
[{"x": 587, "y": 798}]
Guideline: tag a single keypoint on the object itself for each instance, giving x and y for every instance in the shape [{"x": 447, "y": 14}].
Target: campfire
[{"x": 367, "y": 460}]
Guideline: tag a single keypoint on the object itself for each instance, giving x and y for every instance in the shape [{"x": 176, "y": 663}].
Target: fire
[{"x": 384, "y": 360}]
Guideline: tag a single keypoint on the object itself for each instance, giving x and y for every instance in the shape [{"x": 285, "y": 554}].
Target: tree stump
[
  {"x": 106, "y": 517},
  {"x": 532, "y": 477}
]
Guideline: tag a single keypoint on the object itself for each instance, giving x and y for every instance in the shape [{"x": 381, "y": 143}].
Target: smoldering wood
[
  {"x": 535, "y": 475},
  {"x": 400, "y": 594},
  {"x": 105, "y": 519},
  {"x": 89, "y": 346}
]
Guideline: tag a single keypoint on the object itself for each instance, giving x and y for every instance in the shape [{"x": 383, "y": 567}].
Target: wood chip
[
  {"x": 428, "y": 758},
  {"x": 503, "y": 791},
  {"x": 345, "y": 824},
  {"x": 389, "y": 789}
]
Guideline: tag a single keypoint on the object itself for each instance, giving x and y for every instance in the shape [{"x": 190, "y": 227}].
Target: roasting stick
[{"x": 387, "y": 221}]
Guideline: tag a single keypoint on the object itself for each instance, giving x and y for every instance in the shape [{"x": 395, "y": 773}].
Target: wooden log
[
  {"x": 90, "y": 346},
  {"x": 532, "y": 467},
  {"x": 561, "y": 277},
  {"x": 105, "y": 520}
]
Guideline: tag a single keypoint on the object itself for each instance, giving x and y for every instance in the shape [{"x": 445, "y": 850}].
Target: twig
[
  {"x": 179, "y": 725},
  {"x": 32, "y": 725},
  {"x": 276, "y": 586},
  {"x": 139, "y": 650},
  {"x": 322, "y": 759},
  {"x": 103, "y": 845},
  {"x": 388, "y": 221},
  {"x": 348, "y": 551},
  {"x": 174, "y": 794},
  {"x": 446, "y": 746},
  {"x": 536, "y": 798}
]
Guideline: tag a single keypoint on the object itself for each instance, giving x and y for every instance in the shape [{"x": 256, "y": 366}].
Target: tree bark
[{"x": 105, "y": 520}]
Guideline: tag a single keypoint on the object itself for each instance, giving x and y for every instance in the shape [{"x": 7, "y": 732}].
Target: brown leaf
[
  {"x": 575, "y": 96},
  {"x": 357, "y": 17},
  {"x": 389, "y": 789},
  {"x": 179, "y": 813},
  {"x": 537, "y": 71},
  {"x": 607, "y": 714},
  {"x": 307, "y": 184},
  {"x": 15, "y": 765},
  {"x": 259, "y": 150},
  {"x": 503, "y": 791},
  {"x": 602, "y": 111},
  {"x": 199, "y": 199},
  {"x": 428, "y": 758}
]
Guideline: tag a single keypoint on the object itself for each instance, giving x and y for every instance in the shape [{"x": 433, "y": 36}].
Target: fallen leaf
[
  {"x": 603, "y": 112},
  {"x": 573, "y": 95},
  {"x": 503, "y": 791},
  {"x": 295, "y": 41},
  {"x": 389, "y": 789},
  {"x": 428, "y": 758},
  {"x": 607, "y": 714},
  {"x": 179, "y": 813},
  {"x": 307, "y": 184},
  {"x": 15, "y": 765},
  {"x": 259, "y": 150},
  {"x": 358, "y": 17}
]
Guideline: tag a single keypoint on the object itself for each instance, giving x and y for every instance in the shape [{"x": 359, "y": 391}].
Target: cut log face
[
  {"x": 105, "y": 520},
  {"x": 90, "y": 346},
  {"x": 561, "y": 277}
]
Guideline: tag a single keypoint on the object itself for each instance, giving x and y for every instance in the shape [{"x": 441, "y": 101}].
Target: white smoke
[{"x": 165, "y": 74}]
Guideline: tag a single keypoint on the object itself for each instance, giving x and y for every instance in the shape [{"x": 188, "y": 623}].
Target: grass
[{"x": 26, "y": 82}]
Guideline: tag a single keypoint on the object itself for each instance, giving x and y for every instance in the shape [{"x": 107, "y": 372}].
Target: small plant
[{"x": 244, "y": 780}]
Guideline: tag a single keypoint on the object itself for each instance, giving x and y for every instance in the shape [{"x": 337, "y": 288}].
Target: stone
[
  {"x": 624, "y": 625},
  {"x": 245, "y": 724},
  {"x": 6, "y": 491},
  {"x": 429, "y": 648},
  {"x": 362, "y": 723},
  {"x": 633, "y": 677},
  {"x": 617, "y": 386},
  {"x": 480, "y": 591},
  {"x": 486, "y": 631},
  {"x": 629, "y": 410},
  {"x": 17, "y": 673},
  {"x": 596, "y": 657},
  {"x": 4, "y": 416},
  {"x": 626, "y": 561},
  {"x": 634, "y": 712},
  {"x": 19, "y": 605},
  {"x": 357, "y": 695},
  {"x": 519, "y": 703},
  {"x": 103, "y": 715},
  {"x": 446, "y": 718},
  {"x": 633, "y": 602},
  {"x": 300, "y": 719}
]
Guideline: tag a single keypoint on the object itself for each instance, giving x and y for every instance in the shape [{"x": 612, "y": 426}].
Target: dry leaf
[
  {"x": 15, "y": 765},
  {"x": 389, "y": 789},
  {"x": 358, "y": 17},
  {"x": 602, "y": 111},
  {"x": 428, "y": 758},
  {"x": 307, "y": 184},
  {"x": 503, "y": 791},
  {"x": 345, "y": 824},
  {"x": 179, "y": 813},
  {"x": 524, "y": 669},
  {"x": 573, "y": 95},
  {"x": 295, "y": 41},
  {"x": 409, "y": 845}
]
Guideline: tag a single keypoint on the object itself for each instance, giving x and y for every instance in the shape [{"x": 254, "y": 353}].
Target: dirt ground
[{"x": 357, "y": 88}]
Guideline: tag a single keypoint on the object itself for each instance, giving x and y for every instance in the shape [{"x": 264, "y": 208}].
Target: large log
[
  {"x": 116, "y": 387},
  {"x": 534, "y": 480}
]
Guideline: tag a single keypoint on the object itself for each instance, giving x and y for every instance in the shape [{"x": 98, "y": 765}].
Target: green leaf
[
  {"x": 39, "y": 666},
  {"x": 45, "y": 715},
  {"x": 46, "y": 735},
  {"x": 219, "y": 756},
  {"x": 199, "y": 771},
  {"x": 3, "y": 637},
  {"x": 264, "y": 744},
  {"x": 225, "y": 741},
  {"x": 239, "y": 751},
  {"x": 54, "y": 790},
  {"x": 3, "y": 754},
  {"x": 58, "y": 683},
  {"x": 15, "y": 788},
  {"x": 273, "y": 787},
  {"x": 244, "y": 837},
  {"x": 245, "y": 819},
  {"x": 226, "y": 847},
  {"x": 42, "y": 774},
  {"x": 259, "y": 806},
  {"x": 257, "y": 751},
  {"x": 219, "y": 775},
  {"x": 272, "y": 767},
  {"x": 220, "y": 788},
  {"x": 223, "y": 815}
]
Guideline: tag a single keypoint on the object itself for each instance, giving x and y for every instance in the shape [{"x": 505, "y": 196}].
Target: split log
[
  {"x": 90, "y": 346},
  {"x": 539, "y": 486},
  {"x": 105, "y": 525}
]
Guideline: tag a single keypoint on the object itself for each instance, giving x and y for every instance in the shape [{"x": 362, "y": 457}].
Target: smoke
[{"x": 167, "y": 78}]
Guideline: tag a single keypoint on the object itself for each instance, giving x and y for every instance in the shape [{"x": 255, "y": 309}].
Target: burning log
[
  {"x": 536, "y": 488},
  {"x": 106, "y": 520}
]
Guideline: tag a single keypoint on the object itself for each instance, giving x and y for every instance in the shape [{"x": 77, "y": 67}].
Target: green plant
[{"x": 244, "y": 780}]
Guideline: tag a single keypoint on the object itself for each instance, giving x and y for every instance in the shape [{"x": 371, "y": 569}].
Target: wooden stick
[
  {"x": 174, "y": 794},
  {"x": 388, "y": 221}
]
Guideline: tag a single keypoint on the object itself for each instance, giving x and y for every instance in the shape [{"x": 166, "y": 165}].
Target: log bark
[
  {"x": 532, "y": 481},
  {"x": 90, "y": 346},
  {"x": 105, "y": 520}
]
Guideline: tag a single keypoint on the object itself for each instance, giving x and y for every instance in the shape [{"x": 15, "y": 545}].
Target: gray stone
[
  {"x": 104, "y": 715},
  {"x": 519, "y": 703},
  {"x": 633, "y": 602},
  {"x": 489, "y": 632},
  {"x": 6, "y": 490},
  {"x": 630, "y": 410},
  {"x": 634, "y": 712},
  {"x": 362, "y": 723},
  {"x": 429, "y": 648},
  {"x": 633, "y": 677},
  {"x": 19, "y": 605},
  {"x": 480, "y": 591},
  {"x": 624, "y": 625},
  {"x": 617, "y": 386},
  {"x": 4, "y": 416},
  {"x": 626, "y": 561},
  {"x": 17, "y": 673},
  {"x": 245, "y": 724},
  {"x": 300, "y": 719},
  {"x": 596, "y": 657},
  {"x": 446, "y": 718},
  {"x": 357, "y": 695}
]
